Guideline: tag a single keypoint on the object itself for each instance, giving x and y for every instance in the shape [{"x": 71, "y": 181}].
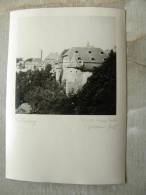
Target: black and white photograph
[
  {"x": 66, "y": 65},
  {"x": 66, "y": 96}
]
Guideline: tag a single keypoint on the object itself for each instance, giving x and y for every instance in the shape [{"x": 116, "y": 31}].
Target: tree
[{"x": 98, "y": 95}]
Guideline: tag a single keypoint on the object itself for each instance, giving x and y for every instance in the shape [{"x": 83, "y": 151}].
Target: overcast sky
[{"x": 55, "y": 33}]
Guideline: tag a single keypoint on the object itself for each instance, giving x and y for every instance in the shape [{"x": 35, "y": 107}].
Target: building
[
  {"x": 19, "y": 64},
  {"x": 77, "y": 65},
  {"x": 30, "y": 63},
  {"x": 34, "y": 64},
  {"x": 52, "y": 59}
]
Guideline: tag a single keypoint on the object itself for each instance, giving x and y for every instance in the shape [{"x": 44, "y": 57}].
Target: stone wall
[{"x": 75, "y": 79}]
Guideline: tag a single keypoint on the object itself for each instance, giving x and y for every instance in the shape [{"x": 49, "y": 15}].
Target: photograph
[{"x": 66, "y": 65}]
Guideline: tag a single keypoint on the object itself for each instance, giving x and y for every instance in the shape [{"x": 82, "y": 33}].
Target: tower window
[
  {"x": 79, "y": 58},
  {"x": 101, "y": 52},
  {"x": 76, "y": 52},
  {"x": 89, "y": 52},
  {"x": 92, "y": 58}
]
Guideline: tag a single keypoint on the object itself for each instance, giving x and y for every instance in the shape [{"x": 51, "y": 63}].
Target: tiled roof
[{"x": 86, "y": 54}]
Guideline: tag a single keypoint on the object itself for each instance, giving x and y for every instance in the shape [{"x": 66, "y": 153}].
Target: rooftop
[{"x": 86, "y": 54}]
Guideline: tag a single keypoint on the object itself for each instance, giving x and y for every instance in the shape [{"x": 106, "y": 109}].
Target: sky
[{"x": 56, "y": 33}]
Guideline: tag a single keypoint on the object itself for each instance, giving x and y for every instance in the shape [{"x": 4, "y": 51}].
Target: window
[
  {"x": 79, "y": 58},
  {"x": 80, "y": 61},
  {"x": 65, "y": 59},
  {"x": 92, "y": 58},
  {"x": 89, "y": 52},
  {"x": 76, "y": 52},
  {"x": 101, "y": 52}
]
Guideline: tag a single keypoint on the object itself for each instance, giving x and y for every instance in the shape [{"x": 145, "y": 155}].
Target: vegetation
[{"x": 45, "y": 96}]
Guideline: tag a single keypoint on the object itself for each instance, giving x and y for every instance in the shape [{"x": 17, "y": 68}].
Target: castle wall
[
  {"x": 75, "y": 79},
  {"x": 58, "y": 74},
  {"x": 77, "y": 65}
]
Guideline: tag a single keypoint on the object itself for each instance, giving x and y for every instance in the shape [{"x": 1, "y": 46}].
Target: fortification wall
[{"x": 75, "y": 79}]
